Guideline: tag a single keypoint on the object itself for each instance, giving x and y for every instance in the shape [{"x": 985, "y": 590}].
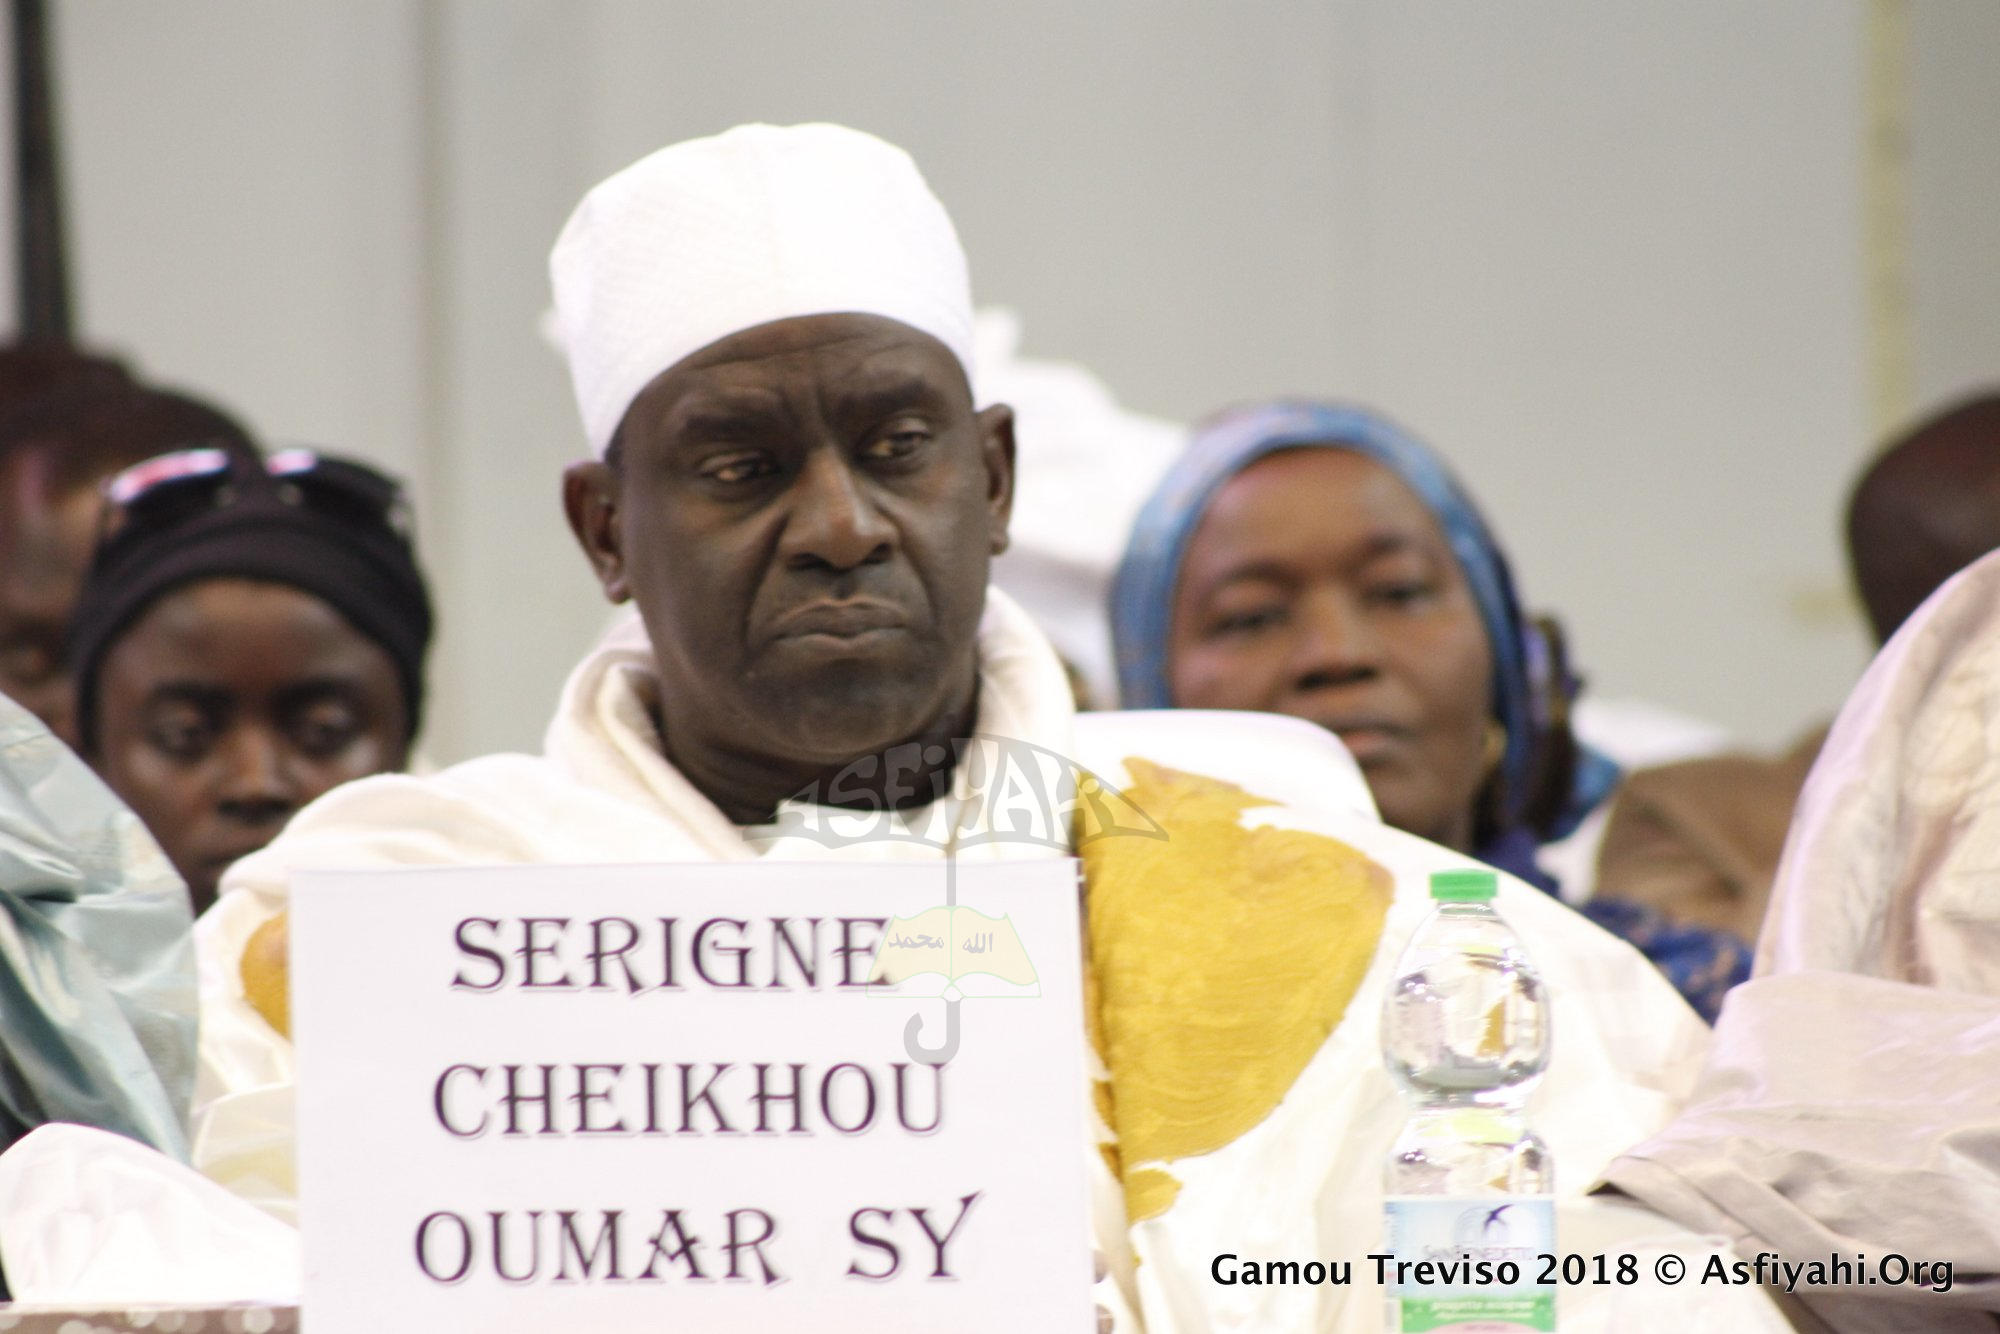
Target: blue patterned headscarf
[{"x": 1142, "y": 595}]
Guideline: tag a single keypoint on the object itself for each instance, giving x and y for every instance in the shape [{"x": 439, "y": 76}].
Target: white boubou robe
[{"x": 1301, "y": 1182}]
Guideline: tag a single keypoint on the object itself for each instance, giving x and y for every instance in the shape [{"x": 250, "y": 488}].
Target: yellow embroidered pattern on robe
[
  {"x": 1221, "y": 959},
  {"x": 266, "y": 969}
]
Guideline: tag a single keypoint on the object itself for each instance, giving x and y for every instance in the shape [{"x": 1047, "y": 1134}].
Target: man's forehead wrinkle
[
  {"x": 862, "y": 399},
  {"x": 718, "y": 406},
  {"x": 902, "y": 366},
  {"x": 721, "y": 381},
  {"x": 915, "y": 348},
  {"x": 831, "y": 391},
  {"x": 899, "y": 372}
]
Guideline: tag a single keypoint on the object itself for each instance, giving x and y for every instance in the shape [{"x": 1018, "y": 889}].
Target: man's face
[
  {"x": 804, "y": 512},
  {"x": 45, "y": 542}
]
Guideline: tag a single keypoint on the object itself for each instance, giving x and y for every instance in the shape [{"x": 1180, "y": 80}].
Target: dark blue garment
[
  {"x": 1702, "y": 962},
  {"x": 1513, "y": 851}
]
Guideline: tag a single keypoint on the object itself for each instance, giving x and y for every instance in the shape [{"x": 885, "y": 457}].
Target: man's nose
[
  {"x": 258, "y": 782},
  {"x": 833, "y": 522},
  {"x": 1338, "y": 642}
]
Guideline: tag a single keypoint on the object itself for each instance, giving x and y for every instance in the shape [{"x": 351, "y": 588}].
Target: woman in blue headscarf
[{"x": 1317, "y": 560}]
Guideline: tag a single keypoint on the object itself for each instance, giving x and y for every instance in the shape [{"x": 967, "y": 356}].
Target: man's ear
[
  {"x": 996, "y": 449},
  {"x": 590, "y": 498}
]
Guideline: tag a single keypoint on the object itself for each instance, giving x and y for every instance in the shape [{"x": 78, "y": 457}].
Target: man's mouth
[{"x": 839, "y": 620}]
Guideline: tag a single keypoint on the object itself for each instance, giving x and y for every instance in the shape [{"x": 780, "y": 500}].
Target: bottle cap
[{"x": 1464, "y": 886}]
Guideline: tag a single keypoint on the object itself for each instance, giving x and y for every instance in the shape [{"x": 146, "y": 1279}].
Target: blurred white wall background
[{"x": 1614, "y": 259}]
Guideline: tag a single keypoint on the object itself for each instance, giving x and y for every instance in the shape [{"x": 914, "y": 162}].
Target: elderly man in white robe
[{"x": 769, "y": 334}]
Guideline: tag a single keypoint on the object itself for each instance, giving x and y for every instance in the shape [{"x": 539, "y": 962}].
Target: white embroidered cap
[{"x": 708, "y": 237}]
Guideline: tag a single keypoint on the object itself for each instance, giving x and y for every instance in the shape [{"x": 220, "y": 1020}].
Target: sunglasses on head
[{"x": 171, "y": 489}]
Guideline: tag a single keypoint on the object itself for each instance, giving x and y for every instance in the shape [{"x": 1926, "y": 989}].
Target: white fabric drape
[{"x": 1852, "y": 1102}]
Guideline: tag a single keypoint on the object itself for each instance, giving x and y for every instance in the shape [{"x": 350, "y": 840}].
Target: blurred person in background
[
  {"x": 1317, "y": 560},
  {"x": 31, "y": 367},
  {"x": 251, "y": 635},
  {"x": 57, "y": 445},
  {"x": 97, "y": 991},
  {"x": 1699, "y": 841}
]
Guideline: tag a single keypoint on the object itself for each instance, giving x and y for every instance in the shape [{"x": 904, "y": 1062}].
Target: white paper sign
[{"x": 664, "y": 1097}]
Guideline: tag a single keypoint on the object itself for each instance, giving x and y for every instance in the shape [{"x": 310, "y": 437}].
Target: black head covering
[{"x": 333, "y": 529}]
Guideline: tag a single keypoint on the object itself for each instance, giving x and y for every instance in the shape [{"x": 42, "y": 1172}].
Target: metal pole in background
[{"x": 44, "y": 266}]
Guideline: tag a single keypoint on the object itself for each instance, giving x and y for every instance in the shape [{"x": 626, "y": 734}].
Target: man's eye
[
  {"x": 734, "y": 469},
  {"x": 897, "y": 444}
]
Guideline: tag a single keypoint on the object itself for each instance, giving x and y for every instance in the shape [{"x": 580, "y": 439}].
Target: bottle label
[{"x": 1470, "y": 1264}]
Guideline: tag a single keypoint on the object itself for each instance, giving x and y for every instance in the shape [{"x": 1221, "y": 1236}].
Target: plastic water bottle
[{"x": 1469, "y": 1187}]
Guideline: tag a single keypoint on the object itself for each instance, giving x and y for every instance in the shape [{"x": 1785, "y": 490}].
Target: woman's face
[
  {"x": 231, "y": 703},
  {"x": 1318, "y": 585}
]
